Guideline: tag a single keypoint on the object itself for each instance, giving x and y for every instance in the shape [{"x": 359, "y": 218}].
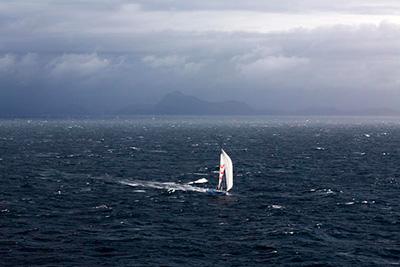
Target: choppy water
[{"x": 98, "y": 192}]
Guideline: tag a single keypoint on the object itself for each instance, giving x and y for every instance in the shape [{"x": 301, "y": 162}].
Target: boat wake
[
  {"x": 169, "y": 186},
  {"x": 225, "y": 170}
]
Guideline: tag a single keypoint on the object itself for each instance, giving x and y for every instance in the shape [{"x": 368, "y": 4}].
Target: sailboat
[{"x": 225, "y": 171}]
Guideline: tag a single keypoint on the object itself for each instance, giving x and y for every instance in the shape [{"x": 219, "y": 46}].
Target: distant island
[{"x": 178, "y": 103}]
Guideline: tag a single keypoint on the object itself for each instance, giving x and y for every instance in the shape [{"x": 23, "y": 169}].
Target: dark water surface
[{"x": 307, "y": 192}]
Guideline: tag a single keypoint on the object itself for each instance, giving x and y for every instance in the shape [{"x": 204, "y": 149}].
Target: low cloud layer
[{"x": 102, "y": 56}]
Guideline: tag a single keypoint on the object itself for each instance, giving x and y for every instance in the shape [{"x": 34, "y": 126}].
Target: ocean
[{"x": 308, "y": 191}]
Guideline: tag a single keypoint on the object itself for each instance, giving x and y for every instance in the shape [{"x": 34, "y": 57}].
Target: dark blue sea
[{"x": 317, "y": 191}]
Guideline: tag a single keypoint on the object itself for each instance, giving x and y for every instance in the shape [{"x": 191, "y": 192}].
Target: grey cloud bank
[{"x": 99, "y": 57}]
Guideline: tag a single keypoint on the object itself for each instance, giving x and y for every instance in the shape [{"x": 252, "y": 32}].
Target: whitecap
[
  {"x": 199, "y": 181},
  {"x": 329, "y": 191},
  {"x": 139, "y": 191},
  {"x": 103, "y": 206},
  {"x": 359, "y": 153},
  {"x": 323, "y": 191}
]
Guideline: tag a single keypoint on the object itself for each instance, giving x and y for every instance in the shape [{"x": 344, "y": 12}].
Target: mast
[{"x": 221, "y": 171}]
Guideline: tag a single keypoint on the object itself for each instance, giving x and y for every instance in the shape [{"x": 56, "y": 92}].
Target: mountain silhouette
[{"x": 177, "y": 103}]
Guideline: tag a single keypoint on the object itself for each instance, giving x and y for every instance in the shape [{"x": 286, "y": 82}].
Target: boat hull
[{"x": 214, "y": 192}]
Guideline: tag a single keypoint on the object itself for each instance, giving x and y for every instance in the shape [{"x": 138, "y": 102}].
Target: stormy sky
[{"x": 103, "y": 55}]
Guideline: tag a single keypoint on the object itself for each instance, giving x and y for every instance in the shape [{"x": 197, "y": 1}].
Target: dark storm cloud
[
  {"x": 284, "y": 6},
  {"x": 104, "y": 55}
]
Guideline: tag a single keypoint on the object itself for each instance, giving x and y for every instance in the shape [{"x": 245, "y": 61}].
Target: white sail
[{"x": 227, "y": 162}]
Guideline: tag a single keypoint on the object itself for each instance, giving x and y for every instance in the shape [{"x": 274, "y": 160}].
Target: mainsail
[{"x": 225, "y": 167}]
